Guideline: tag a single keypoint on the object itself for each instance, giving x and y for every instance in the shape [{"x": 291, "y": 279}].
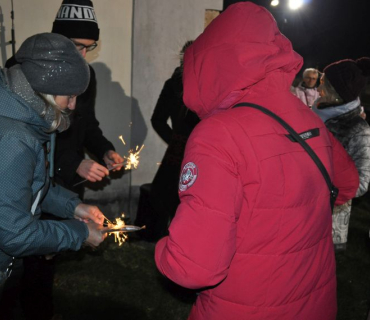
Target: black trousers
[{"x": 27, "y": 294}]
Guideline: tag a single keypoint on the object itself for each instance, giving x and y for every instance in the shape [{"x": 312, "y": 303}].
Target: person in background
[
  {"x": 306, "y": 90},
  {"x": 252, "y": 232},
  {"x": 36, "y": 97},
  {"x": 170, "y": 104},
  {"x": 340, "y": 108},
  {"x": 164, "y": 197}
]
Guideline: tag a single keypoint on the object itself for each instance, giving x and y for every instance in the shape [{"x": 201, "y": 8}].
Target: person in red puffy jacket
[{"x": 253, "y": 229}]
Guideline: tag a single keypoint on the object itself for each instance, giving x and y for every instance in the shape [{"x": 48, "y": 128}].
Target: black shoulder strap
[{"x": 333, "y": 190}]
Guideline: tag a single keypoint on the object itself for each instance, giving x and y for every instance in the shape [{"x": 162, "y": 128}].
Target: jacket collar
[{"x": 332, "y": 112}]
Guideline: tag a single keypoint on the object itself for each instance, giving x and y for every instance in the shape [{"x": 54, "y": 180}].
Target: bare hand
[
  {"x": 88, "y": 213},
  {"x": 111, "y": 158},
  {"x": 91, "y": 170},
  {"x": 96, "y": 236}
]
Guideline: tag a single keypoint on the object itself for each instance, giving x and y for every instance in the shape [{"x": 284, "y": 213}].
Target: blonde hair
[{"x": 58, "y": 112}]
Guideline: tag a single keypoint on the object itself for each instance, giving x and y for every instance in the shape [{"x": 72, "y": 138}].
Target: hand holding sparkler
[
  {"x": 113, "y": 160},
  {"x": 96, "y": 236},
  {"x": 94, "y": 220},
  {"x": 91, "y": 170},
  {"x": 131, "y": 161},
  {"x": 87, "y": 213}
]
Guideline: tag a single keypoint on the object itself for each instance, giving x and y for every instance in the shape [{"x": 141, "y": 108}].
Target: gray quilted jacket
[
  {"x": 353, "y": 132},
  {"x": 22, "y": 176}
]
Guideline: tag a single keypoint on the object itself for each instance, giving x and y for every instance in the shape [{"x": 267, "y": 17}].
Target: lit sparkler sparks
[
  {"x": 123, "y": 141},
  {"x": 119, "y": 229},
  {"x": 119, "y": 236},
  {"x": 132, "y": 161}
]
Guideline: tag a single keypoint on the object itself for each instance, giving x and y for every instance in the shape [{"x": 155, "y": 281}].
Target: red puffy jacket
[{"x": 253, "y": 229}]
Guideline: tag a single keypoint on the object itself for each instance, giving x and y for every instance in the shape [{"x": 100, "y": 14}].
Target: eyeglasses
[
  {"x": 81, "y": 46},
  {"x": 311, "y": 78}
]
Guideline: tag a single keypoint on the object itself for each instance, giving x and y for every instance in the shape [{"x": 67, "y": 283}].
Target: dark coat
[
  {"x": 164, "y": 196},
  {"x": 170, "y": 106},
  {"x": 84, "y": 133}
]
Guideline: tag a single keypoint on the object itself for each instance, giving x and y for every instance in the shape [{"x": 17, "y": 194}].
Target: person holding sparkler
[
  {"x": 253, "y": 229},
  {"x": 76, "y": 20},
  {"x": 84, "y": 133},
  {"x": 36, "y": 97}
]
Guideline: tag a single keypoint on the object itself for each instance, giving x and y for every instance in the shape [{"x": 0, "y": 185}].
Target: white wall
[
  {"x": 142, "y": 35},
  {"x": 112, "y": 63},
  {"x": 160, "y": 28}
]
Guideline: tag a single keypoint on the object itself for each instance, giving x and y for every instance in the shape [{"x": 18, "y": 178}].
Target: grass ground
[
  {"x": 117, "y": 282},
  {"x": 122, "y": 282},
  {"x": 353, "y": 265}
]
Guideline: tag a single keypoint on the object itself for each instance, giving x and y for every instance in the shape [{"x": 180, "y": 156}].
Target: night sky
[{"x": 324, "y": 31}]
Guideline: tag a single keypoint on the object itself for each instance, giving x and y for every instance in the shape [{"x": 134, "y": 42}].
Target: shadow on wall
[
  {"x": 124, "y": 112},
  {"x": 139, "y": 130},
  {"x": 118, "y": 115}
]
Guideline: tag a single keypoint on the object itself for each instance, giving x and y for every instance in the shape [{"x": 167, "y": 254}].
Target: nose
[
  {"x": 320, "y": 90},
  {"x": 83, "y": 52},
  {"x": 72, "y": 103}
]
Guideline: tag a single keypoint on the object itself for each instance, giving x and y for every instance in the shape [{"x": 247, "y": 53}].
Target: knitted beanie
[
  {"x": 77, "y": 19},
  {"x": 348, "y": 77},
  {"x": 52, "y": 65}
]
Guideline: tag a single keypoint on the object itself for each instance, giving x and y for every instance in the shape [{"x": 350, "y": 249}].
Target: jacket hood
[
  {"x": 242, "y": 51},
  {"x": 15, "y": 107}
]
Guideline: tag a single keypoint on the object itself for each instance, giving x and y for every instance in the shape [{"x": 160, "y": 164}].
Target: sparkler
[
  {"x": 119, "y": 236},
  {"x": 118, "y": 229},
  {"x": 121, "y": 138},
  {"x": 110, "y": 169},
  {"x": 133, "y": 158},
  {"x": 130, "y": 162}
]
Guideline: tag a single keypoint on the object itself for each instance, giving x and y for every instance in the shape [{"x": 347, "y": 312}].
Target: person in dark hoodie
[
  {"x": 36, "y": 97},
  {"x": 340, "y": 108}
]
